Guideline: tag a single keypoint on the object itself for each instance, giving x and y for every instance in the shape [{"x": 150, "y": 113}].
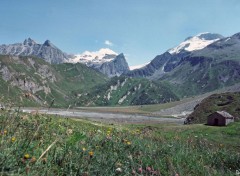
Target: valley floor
[{"x": 106, "y": 116}]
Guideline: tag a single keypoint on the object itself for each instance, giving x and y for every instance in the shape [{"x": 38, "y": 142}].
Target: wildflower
[
  {"x": 176, "y": 174},
  {"x": 128, "y": 143},
  {"x": 69, "y": 131},
  {"x": 26, "y": 156},
  {"x": 130, "y": 157},
  {"x": 33, "y": 160},
  {"x": 119, "y": 170},
  {"x": 91, "y": 153},
  {"x": 108, "y": 132},
  {"x": 5, "y": 132},
  {"x": 221, "y": 145},
  {"x": 133, "y": 172},
  {"x": 13, "y": 139},
  {"x": 84, "y": 149},
  {"x": 140, "y": 170},
  {"x": 149, "y": 169}
]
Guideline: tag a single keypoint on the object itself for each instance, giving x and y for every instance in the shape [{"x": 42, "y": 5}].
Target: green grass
[
  {"x": 49, "y": 145},
  {"x": 228, "y": 102}
]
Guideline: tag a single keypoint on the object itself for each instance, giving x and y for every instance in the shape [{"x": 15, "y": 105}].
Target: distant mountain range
[
  {"x": 199, "y": 64},
  {"x": 104, "y": 60},
  {"x": 29, "y": 47}
]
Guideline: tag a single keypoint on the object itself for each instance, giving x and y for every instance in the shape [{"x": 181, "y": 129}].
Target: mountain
[
  {"x": 167, "y": 61},
  {"x": 228, "y": 102},
  {"x": 197, "y": 42},
  {"x": 190, "y": 71},
  {"x": 95, "y": 57},
  {"x": 29, "y": 81},
  {"x": 115, "y": 67},
  {"x": 126, "y": 91},
  {"x": 29, "y": 47},
  {"x": 105, "y": 60},
  {"x": 213, "y": 67}
]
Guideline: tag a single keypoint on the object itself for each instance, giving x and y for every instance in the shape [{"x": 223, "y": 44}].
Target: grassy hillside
[
  {"x": 229, "y": 102},
  {"x": 31, "y": 81},
  {"x": 126, "y": 91},
  {"x": 200, "y": 75},
  {"x": 50, "y": 145}
]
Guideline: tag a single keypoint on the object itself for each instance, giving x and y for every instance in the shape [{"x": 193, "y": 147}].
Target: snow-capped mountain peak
[
  {"x": 101, "y": 56},
  {"x": 197, "y": 42}
]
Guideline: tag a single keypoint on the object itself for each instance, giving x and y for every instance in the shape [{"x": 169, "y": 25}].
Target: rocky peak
[
  {"x": 29, "y": 42},
  {"x": 48, "y": 43},
  {"x": 116, "y": 67},
  {"x": 237, "y": 35}
]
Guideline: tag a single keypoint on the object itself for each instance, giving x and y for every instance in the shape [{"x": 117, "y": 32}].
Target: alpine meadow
[{"x": 115, "y": 89}]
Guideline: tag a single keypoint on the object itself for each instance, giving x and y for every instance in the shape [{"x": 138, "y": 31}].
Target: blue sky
[{"x": 141, "y": 29}]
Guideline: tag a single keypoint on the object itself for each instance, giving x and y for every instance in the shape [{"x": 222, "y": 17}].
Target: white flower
[{"x": 119, "y": 170}]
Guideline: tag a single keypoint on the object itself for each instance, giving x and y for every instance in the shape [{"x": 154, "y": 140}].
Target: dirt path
[{"x": 105, "y": 117}]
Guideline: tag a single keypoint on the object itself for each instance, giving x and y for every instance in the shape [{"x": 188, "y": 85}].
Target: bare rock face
[
  {"x": 28, "y": 82},
  {"x": 116, "y": 67},
  {"x": 29, "y": 47}
]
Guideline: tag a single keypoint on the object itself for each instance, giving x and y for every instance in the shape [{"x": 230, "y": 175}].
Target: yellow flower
[
  {"x": 5, "y": 131},
  {"x": 84, "y": 149},
  {"x": 91, "y": 153},
  {"x": 26, "y": 156},
  {"x": 13, "y": 139},
  {"x": 128, "y": 143},
  {"x": 108, "y": 132}
]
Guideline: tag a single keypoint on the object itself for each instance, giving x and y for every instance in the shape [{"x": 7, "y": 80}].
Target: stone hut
[{"x": 220, "y": 118}]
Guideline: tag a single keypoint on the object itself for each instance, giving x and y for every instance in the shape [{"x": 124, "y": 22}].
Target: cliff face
[{"x": 116, "y": 67}]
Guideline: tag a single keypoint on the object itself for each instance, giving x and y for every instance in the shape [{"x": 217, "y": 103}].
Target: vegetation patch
[{"x": 33, "y": 144}]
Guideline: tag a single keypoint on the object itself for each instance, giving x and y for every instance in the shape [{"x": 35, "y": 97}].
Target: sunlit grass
[{"x": 49, "y": 145}]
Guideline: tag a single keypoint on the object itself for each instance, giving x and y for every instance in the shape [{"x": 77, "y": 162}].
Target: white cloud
[{"x": 109, "y": 43}]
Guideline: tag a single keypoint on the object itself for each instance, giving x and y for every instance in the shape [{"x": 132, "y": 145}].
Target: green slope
[
  {"x": 126, "y": 91},
  {"x": 229, "y": 102},
  {"x": 200, "y": 75},
  {"x": 31, "y": 81}
]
